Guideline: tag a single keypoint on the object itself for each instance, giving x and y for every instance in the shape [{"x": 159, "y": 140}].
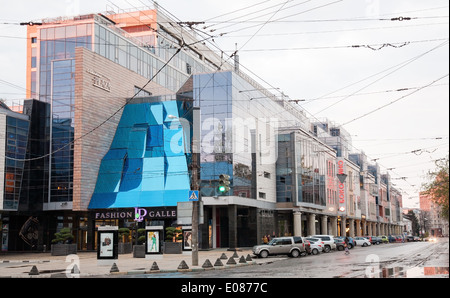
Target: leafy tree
[
  {"x": 415, "y": 225},
  {"x": 438, "y": 185}
]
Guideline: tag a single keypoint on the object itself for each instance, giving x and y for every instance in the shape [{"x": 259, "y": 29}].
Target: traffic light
[{"x": 224, "y": 184}]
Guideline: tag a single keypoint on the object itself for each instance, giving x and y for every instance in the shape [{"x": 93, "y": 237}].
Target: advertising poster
[
  {"x": 106, "y": 244},
  {"x": 153, "y": 242},
  {"x": 187, "y": 239}
]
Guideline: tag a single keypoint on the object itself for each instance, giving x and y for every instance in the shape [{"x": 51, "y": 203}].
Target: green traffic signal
[{"x": 224, "y": 182}]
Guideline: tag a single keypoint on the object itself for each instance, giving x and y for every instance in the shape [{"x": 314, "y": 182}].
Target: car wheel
[
  {"x": 315, "y": 251},
  {"x": 340, "y": 248},
  {"x": 264, "y": 254},
  {"x": 295, "y": 253},
  {"x": 364, "y": 244},
  {"x": 327, "y": 248}
]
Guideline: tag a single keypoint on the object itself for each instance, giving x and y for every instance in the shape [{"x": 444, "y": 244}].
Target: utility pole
[
  {"x": 194, "y": 168},
  {"x": 195, "y": 185}
]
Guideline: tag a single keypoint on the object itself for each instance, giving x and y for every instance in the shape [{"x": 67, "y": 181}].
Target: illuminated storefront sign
[
  {"x": 341, "y": 185},
  {"x": 138, "y": 214}
]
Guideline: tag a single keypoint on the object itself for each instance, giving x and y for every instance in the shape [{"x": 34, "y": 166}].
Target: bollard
[
  {"x": 235, "y": 255},
  {"x": 249, "y": 258},
  {"x": 231, "y": 261},
  {"x": 34, "y": 271},
  {"x": 224, "y": 256},
  {"x": 218, "y": 263},
  {"x": 114, "y": 268},
  {"x": 242, "y": 260},
  {"x": 75, "y": 269},
  {"x": 183, "y": 265},
  {"x": 154, "y": 267},
  {"x": 207, "y": 264}
]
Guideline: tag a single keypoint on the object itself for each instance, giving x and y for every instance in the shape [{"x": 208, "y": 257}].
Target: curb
[{"x": 137, "y": 272}]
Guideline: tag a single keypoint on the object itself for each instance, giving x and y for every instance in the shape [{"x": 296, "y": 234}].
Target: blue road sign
[{"x": 193, "y": 195}]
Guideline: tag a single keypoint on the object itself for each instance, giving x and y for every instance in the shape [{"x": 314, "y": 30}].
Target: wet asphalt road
[{"x": 394, "y": 260}]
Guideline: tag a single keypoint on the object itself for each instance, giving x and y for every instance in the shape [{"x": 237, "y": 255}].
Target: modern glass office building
[{"x": 117, "y": 94}]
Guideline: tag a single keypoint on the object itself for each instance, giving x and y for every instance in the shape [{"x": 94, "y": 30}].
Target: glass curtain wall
[
  {"x": 212, "y": 93},
  {"x": 57, "y": 86},
  {"x": 59, "y": 43},
  {"x": 308, "y": 167},
  {"x": 16, "y": 146},
  {"x": 144, "y": 60},
  {"x": 63, "y": 110}
]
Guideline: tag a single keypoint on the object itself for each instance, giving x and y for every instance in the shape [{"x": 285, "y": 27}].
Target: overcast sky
[{"x": 386, "y": 81}]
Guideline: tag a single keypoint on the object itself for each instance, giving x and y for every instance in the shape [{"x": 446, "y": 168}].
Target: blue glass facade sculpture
[{"x": 147, "y": 163}]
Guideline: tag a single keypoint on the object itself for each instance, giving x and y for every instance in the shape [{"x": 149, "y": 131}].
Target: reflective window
[
  {"x": 63, "y": 107},
  {"x": 15, "y": 150}
]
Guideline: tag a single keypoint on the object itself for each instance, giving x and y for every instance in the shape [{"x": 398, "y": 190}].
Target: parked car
[
  {"x": 399, "y": 239},
  {"x": 391, "y": 238},
  {"x": 362, "y": 241},
  {"x": 316, "y": 247},
  {"x": 384, "y": 239},
  {"x": 410, "y": 238},
  {"x": 315, "y": 239},
  {"x": 351, "y": 242},
  {"x": 292, "y": 246},
  {"x": 328, "y": 242},
  {"x": 416, "y": 238},
  {"x": 373, "y": 239},
  {"x": 340, "y": 244}
]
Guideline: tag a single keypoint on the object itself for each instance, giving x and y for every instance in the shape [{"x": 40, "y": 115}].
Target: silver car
[
  {"x": 328, "y": 240},
  {"x": 292, "y": 246}
]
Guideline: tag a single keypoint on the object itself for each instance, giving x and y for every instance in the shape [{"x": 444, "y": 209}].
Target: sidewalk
[{"x": 19, "y": 265}]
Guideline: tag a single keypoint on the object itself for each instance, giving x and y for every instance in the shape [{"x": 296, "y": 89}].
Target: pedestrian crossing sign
[{"x": 193, "y": 195}]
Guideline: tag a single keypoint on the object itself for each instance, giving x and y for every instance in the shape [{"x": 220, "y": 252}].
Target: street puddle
[{"x": 415, "y": 272}]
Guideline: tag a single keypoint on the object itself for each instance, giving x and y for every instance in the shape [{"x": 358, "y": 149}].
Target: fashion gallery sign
[{"x": 147, "y": 213}]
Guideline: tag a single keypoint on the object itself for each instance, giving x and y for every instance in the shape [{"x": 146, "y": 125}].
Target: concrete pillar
[
  {"x": 334, "y": 229},
  {"x": 351, "y": 224},
  {"x": 364, "y": 228},
  {"x": 232, "y": 226},
  {"x": 369, "y": 229},
  {"x": 325, "y": 224},
  {"x": 297, "y": 223},
  {"x": 311, "y": 224},
  {"x": 358, "y": 227},
  {"x": 343, "y": 226}
]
